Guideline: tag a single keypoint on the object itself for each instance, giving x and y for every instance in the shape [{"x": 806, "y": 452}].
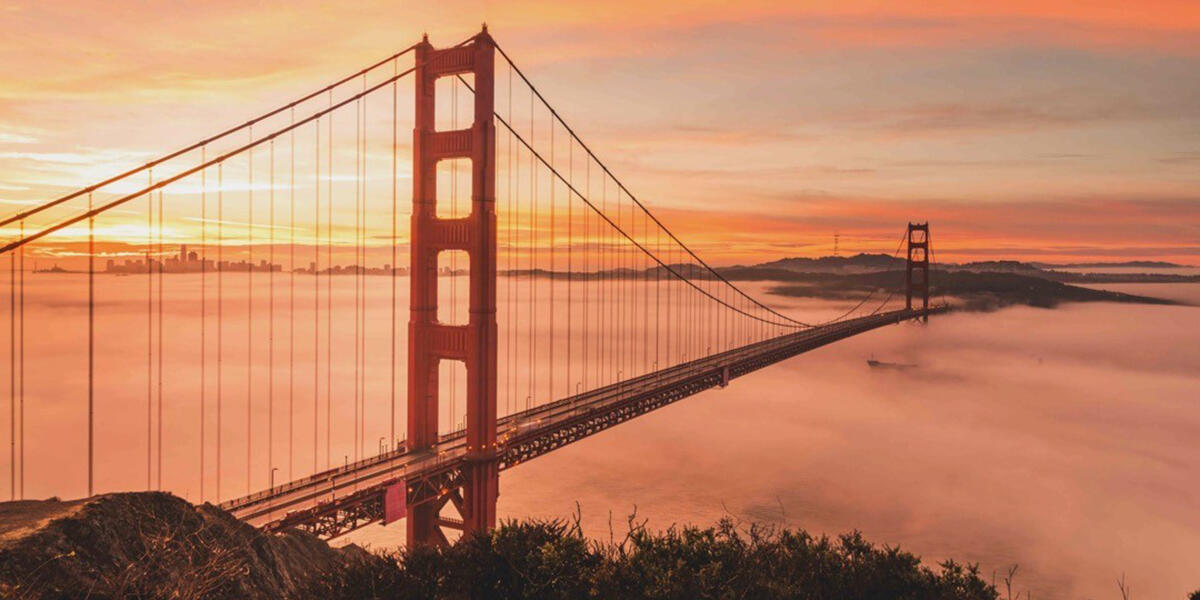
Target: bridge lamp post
[
  {"x": 381, "y": 444},
  {"x": 273, "y": 469}
]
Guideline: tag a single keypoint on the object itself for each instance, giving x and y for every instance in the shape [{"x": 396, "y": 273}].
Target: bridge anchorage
[{"x": 582, "y": 310}]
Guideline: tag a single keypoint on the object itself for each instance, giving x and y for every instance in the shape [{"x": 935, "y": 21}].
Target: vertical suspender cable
[
  {"x": 357, "y": 264},
  {"x": 529, "y": 298},
  {"x": 516, "y": 206},
  {"x": 602, "y": 335},
  {"x": 645, "y": 287},
  {"x": 12, "y": 373},
  {"x": 588, "y": 291},
  {"x": 363, "y": 283},
  {"x": 395, "y": 133},
  {"x": 316, "y": 264},
  {"x": 316, "y": 289},
  {"x": 91, "y": 437},
  {"x": 570, "y": 253},
  {"x": 21, "y": 388},
  {"x": 203, "y": 303},
  {"x": 633, "y": 292},
  {"x": 633, "y": 295},
  {"x": 550, "y": 374},
  {"x": 249, "y": 311},
  {"x": 292, "y": 297},
  {"x": 271, "y": 317},
  {"x": 149, "y": 327},
  {"x": 220, "y": 309},
  {"x": 161, "y": 265},
  {"x": 611, "y": 267},
  {"x": 329, "y": 289},
  {"x": 509, "y": 208},
  {"x": 533, "y": 251}
]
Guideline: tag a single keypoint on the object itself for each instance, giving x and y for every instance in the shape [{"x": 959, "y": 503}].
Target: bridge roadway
[{"x": 337, "y": 501}]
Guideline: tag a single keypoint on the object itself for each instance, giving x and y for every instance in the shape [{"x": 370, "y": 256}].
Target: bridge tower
[
  {"x": 473, "y": 343},
  {"x": 916, "y": 274}
]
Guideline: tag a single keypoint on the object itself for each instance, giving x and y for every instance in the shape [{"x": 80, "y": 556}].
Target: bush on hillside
[{"x": 552, "y": 559}]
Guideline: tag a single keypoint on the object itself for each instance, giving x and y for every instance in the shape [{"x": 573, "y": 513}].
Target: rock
[{"x": 152, "y": 545}]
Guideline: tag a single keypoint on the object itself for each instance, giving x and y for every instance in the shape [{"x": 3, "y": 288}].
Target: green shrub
[{"x": 552, "y": 559}]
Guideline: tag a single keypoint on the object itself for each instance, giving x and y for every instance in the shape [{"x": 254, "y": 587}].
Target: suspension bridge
[{"x": 245, "y": 341}]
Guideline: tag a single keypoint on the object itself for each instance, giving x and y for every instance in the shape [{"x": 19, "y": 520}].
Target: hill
[
  {"x": 1129, "y": 264},
  {"x": 836, "y": 264},
  {"x": 978, "y": 290}
]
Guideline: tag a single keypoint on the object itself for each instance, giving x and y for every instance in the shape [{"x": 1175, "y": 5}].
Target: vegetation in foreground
[
  {"x": 155, "y": 545},
  {"x": 552, "y": 559}
]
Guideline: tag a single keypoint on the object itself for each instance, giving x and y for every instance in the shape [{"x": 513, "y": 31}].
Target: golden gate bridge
[{"x": 545, "y": 303}]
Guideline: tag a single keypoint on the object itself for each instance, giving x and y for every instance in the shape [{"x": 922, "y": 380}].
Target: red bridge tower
[
  {"x": 473, "y": 343},
  {"x": 916, "y": 276}
]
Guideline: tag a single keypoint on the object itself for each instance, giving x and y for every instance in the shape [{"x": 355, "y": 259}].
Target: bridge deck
[{"x": 340, "y": 500}]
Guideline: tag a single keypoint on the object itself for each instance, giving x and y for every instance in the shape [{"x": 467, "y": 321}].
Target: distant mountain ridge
[
  {"x": 1140, "y": 264},
  {"x": 834, "y": 264},
  {"x": 825, "y": 267},
  {"x": 866, "y": 263}
]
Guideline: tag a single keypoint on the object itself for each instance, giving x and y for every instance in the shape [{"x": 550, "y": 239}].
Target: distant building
[
  {"x": 185, "y": 262},
  {"x": 190, "y": 262}
]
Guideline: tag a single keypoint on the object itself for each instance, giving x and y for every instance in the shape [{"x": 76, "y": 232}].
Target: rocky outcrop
[{"x": 153, "y": 545}]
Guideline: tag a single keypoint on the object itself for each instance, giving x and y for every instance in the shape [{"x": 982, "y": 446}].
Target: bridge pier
[{"x": 473, "y": 343}]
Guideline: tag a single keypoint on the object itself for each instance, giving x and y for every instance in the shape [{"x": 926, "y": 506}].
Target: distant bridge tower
[
  {"x": 473, "y": 343},
  {"x": 916, "y": 275}
]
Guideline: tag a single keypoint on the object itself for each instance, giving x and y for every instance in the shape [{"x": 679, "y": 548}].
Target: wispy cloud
[{"x": 804, "y": 117}]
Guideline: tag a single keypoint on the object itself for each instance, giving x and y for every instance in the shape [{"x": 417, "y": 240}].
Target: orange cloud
[{"x": 680, "y": 99}]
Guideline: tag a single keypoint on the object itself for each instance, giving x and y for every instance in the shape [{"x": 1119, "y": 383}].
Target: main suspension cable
[
  {"x": 632, "y": 197},
  {"x": 202, "y": 143},
  {"x": 792, "y": 323}
]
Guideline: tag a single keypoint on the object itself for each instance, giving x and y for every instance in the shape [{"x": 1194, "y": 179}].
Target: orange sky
[{"x": 1030, "y": 130}]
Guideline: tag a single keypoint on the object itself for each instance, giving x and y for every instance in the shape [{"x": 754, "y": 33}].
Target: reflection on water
[{"x": 1061, "y": 440}]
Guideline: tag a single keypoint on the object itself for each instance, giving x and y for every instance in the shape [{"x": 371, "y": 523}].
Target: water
[{"x": 1060, "y": 440}]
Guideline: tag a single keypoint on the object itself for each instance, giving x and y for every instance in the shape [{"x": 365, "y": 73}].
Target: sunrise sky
[{"x": 1040, "y": 130}]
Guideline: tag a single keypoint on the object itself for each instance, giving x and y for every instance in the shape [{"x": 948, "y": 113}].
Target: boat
[{"x": 879, "y": 364}]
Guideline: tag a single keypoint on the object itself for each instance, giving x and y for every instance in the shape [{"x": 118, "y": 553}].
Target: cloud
[
  {"x": 1181, "y": 158},
  {"x": 1100, "y": 227},
  {"x": 1013, "y": 116},
  {"x": 8, "y": 137},
  {"x": 807, "y": 117}
]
